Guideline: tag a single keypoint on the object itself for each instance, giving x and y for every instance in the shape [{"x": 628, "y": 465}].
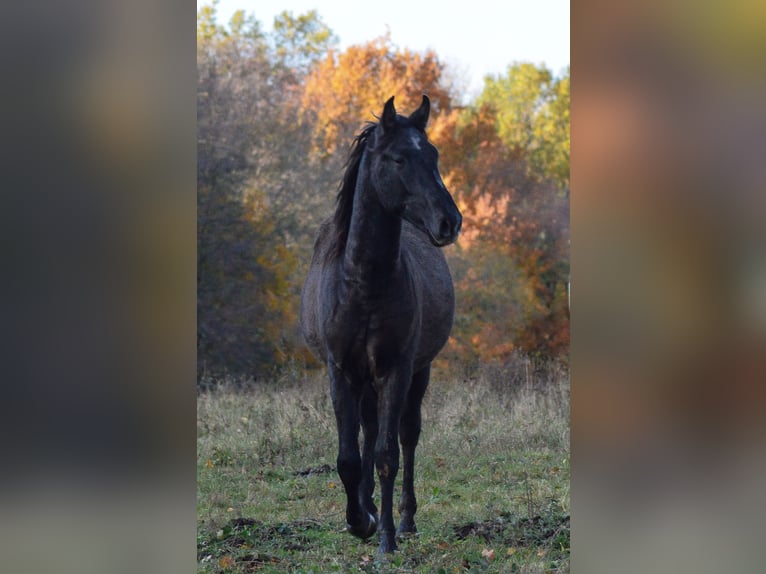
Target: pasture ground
[{"x": 492, "y": 477}]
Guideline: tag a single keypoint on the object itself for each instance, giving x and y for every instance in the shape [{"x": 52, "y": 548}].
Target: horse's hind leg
[
  {"x": 345, "y": 401},
  {"x": 409, "y": 433}
]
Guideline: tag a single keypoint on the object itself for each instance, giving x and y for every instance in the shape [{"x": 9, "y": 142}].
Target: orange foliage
[
  {"x": 353, "y": 84},
  {"x": 515, "y": 241},
  {"x": 475, "y": 166}
]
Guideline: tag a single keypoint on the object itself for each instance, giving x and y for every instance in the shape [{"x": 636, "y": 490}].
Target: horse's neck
[{"x": 372, "y": 247}]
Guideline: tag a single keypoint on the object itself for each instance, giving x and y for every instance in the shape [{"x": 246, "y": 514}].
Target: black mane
[{"x": 345, "y": 198}]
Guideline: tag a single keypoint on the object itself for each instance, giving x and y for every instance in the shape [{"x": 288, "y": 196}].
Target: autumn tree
[
  {"x": 256, "y": 193},
  {"x": 532, "y": 115},
  {"x": 299, "y": 42},
  {"x": 347, "y": 88},
  {"x": 512, "y": 271},
  {"x": 276, "y": 114},
  {"x": 532, "y": 119}
]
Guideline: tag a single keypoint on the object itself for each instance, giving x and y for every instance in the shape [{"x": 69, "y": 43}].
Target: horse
[{"x": 377, "y": 306}]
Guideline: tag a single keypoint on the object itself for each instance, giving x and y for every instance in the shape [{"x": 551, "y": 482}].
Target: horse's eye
[{"x": 397, "y": 159}]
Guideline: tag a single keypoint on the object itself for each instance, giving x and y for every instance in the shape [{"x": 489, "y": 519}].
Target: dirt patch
[
  {"x": 534, "y": 531},
  {"x": 252, "y": 545},
  {"x": 240, "y": 522},
  {"x": 252, "y": 562},
  {"x": 249, "y": 533},
  {"x": 311, "y": 471}
]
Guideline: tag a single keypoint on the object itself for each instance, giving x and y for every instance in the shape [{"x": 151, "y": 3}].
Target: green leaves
[
  {"x": 532, "y": 110},
  {"x": 300, "y": 41}
]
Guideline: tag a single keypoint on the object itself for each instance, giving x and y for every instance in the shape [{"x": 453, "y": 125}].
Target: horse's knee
[{"x": 387, "y": 463}]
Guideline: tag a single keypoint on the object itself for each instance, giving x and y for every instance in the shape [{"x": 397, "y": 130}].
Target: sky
[{"x": 474, "y": 38}]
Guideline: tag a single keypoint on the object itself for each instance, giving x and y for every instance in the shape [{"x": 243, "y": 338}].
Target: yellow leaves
[
  {"x": 209, "y": 464},
  {"x": 226, "y": 562},
  {"x": 511, "y": 551},
  {"x": 331, "y": 485}
]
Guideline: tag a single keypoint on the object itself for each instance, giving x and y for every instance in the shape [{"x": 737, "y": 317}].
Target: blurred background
[{"x": 668, "y": 286}]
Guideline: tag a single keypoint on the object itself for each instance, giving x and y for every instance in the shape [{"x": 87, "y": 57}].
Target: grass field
[{"x": 492, "y": 477}]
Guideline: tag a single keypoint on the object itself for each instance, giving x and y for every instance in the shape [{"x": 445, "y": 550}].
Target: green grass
[{"x": 492, "y": 477}]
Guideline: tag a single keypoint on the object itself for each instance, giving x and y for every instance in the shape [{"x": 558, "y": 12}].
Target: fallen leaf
[
  {"x": 331, "y": 484},
  {"x": 209, "y": 463},
  {"x": 511, "y": 551},
  {"x": 489, "y": 554},
  {"x": 226, "y": 562}
]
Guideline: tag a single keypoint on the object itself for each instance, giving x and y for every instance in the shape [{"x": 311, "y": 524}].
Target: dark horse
[{"x": 377, "y": 307}]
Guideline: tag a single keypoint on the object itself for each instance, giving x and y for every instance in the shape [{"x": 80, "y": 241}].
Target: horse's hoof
[
  {"x": 387, "y": 546},
  {"x": 406, "y": 531},
  {"x": 364, "y": 531}
]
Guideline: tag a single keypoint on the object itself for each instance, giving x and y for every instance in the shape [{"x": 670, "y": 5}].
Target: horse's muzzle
[{"x": 447, "y": 230}]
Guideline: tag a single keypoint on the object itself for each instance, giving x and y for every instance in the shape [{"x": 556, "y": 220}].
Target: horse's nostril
[{"x": 445, "y": 229}]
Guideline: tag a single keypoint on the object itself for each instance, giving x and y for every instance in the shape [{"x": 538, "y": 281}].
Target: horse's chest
[{"x": 369, "y": 340}]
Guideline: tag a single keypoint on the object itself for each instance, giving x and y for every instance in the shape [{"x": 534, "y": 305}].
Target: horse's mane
[{"x": 344, "y": 202}]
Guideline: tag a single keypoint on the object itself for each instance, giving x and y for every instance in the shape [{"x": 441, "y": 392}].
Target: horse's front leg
[
  {"x": 345, "y": 401},
  {"x": 369, "y": 416},
  {"x": 409, "y": 433},
  {"x": 391, "y": 394}
]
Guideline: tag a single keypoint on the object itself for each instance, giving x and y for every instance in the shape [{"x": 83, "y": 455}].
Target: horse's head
[{"x": 406, "y": 178}]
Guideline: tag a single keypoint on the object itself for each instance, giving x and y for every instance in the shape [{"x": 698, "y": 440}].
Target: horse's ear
[
  {"x": 388, "y": 119},
  {"x": 420, "y": 116}
]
